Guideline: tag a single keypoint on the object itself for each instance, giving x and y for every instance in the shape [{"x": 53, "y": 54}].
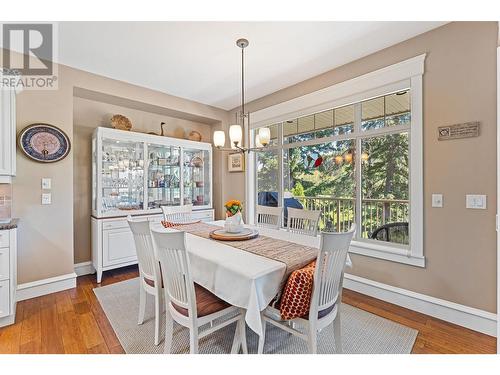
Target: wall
[
  {"x": 89, "y": 114},
  {"x": 45, "y": 247},
  {"x": 459, "y": 86}
]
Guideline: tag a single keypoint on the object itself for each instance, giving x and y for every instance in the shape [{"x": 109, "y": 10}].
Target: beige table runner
[{"x": 293, "y": 255}]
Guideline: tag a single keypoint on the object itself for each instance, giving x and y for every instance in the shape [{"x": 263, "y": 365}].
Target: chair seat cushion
[
  {"x": 152, "y": 282},
  {"x": 206, "y": 303},
  {"x": 296, "y": 297}
]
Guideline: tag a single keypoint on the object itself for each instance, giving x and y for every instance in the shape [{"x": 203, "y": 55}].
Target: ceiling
[{"x": 200, "y": 60}]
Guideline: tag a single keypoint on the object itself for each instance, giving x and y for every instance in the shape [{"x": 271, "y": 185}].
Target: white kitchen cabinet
[
  {"x": 7, "y": 135},
  {"x": 8, "y": 273}
]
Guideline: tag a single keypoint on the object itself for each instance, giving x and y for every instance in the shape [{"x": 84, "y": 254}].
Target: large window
[
  {"x": 320, "y": 154},
  {"x": 354, "y": 152}
]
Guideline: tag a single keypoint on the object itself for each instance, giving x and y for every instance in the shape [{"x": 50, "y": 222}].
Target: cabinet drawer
[
  {"x": 118, "y": 246},
  {"x": 203, "y": 215},
  {"x": 4, "y": 264},
  {"x": 4, "y": 238},
  {"x": 4, "y": 298},
  {"x": 122, "y": 223}
]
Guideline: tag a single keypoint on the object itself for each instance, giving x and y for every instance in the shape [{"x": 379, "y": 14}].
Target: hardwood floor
[{"x": 72, "y": 321}]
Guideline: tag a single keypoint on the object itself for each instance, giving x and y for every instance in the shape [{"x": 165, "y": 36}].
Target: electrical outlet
[
  {"x": 475, "y": 201},
  {"x": 46, "y": 198},
  {"x": 437, "y": 200}
]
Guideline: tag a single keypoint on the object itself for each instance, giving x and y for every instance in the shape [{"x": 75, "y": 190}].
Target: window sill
[{"x": 387, "y": 253}]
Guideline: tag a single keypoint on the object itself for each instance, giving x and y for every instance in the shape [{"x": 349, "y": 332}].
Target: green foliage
[
  {"x": 298, "y": 190},
  {"x": 385, "y": 174}
]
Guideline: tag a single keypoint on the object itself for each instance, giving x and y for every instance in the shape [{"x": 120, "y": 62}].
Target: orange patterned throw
[{"x": 296, "y": 298}]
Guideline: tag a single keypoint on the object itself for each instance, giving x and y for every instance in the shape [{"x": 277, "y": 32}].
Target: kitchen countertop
[{"x": 10, "y": 225}]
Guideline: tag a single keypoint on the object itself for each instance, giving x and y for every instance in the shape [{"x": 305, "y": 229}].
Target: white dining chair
[
  {"x": 178, "y": 214},
  {"x": 326, "y": 295},
  {"x": 303, "y": 221},
  {"x": 150, "y": 280},
  {"x": 189, "y": 304},
  {"x": 269, "y": 217}
]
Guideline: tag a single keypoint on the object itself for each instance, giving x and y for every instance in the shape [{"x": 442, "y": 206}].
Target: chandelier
[{"x": 236, "y": 131}]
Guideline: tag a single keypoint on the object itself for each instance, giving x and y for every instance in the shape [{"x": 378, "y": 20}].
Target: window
[
  {"x": 319, "y": 170},
  {"x": 358, "y": 161}
]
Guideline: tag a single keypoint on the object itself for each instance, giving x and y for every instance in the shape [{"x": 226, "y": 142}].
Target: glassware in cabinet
[
  {"x": 122, "y": 175},
  {"x": 163, "y": 184},
  {"x": 196, "y": 177}
]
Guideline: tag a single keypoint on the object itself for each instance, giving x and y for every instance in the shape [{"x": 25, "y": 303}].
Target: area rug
[{"x": 362, "y": 332}]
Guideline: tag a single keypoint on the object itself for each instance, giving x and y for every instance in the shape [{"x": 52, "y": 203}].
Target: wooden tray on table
[{"x": 245, "y": 234}]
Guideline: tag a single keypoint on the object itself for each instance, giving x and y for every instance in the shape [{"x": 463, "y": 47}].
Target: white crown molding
[
  {"x": 84, "y": 268},
  {"x": 46, "y": 286},
  {"x": 316, "y": 101},
  {"x": 465, "y": 316}
]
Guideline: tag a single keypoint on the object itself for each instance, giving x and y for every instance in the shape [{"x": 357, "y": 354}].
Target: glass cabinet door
[
  {"x": 122, "y": 175},
  {"x": 196, "y": 175},
  {"x": 164, "y": 176}
]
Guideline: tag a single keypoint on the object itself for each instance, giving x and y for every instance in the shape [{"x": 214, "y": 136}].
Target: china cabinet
[
  {"x": 135, "y": 174},
  {"x": 7, "y": 135}
]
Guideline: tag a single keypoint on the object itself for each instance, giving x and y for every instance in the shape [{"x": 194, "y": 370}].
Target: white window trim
[{"x": 405, "y": 74}]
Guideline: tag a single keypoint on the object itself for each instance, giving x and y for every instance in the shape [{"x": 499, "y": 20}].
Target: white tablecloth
[{"x": 239, "y": 277}]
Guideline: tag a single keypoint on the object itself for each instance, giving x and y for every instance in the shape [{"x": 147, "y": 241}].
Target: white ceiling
[{"x": 200, "y": 61}]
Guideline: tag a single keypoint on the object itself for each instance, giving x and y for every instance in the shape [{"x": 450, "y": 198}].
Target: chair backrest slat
[
  {"x": 173, "y": 256},
  {"x": 303, "y": 221},
  {"x": 178, "y": 214},
  {"x": 329, "y": 270},
  {"x": 269, "y": 216},
  {"x": 144, "y": 246}
]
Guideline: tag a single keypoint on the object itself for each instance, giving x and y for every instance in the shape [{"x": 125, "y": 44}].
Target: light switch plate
[
  {"x": 46, "y": 198},
  {"x": 437, "y": 200},
  {"x": 475, "y": 201},
  {"x": 46, "y": 183}
]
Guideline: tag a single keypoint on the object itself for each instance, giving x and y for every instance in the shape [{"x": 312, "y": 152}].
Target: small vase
[{"x": 234, "y": 224}]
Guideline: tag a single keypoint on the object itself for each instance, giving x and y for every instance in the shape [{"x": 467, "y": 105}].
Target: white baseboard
[
  {"x": 84, "y": 268},
  {"x": 465, "y": 316},
  {"x": 46, "y": 286}
]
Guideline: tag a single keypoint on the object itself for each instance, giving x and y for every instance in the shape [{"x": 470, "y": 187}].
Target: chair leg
[
  {"x": 157, "y": 318},
  {"x": 142, "y": 304},
  {"x": 243, "y": 335},
  {"x": 193, "y": 340},
  {"x": 235, "y": 348},
  {"x": 262, "y": 339},
  {"x": 169, "y": 332},
  {"x": 337, "y": 334},
  {"x": 312, "y": 340}
]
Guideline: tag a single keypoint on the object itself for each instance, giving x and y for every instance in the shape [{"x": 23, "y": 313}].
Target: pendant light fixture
[{"x": 236, "y": 130}]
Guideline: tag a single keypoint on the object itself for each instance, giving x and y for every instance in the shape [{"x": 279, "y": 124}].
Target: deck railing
[{"x": 339, "y": 213}]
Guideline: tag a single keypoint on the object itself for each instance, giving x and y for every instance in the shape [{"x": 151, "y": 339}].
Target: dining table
[{"x": 243, "y": 278}]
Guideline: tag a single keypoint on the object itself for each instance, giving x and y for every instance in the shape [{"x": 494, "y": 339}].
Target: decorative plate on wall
[{"x": 44, "y": 143}]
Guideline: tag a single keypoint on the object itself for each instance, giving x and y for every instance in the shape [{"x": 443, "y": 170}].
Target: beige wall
[
  {"x": 459, "y": 86},
  {"x": 87, "y": 115},
  {"x": 46, "y": 232}
]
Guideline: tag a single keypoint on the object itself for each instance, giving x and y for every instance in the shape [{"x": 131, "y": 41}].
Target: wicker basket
[{"x": 121, "y": 122}]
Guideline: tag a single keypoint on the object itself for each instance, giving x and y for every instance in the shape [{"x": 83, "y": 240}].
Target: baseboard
[
  {"x": 46, "y": 286},
  {"x": 84, "y": 268},
  {"x": 465, "y": 316}
]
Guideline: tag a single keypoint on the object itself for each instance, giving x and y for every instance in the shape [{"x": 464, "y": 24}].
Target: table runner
[{"x": 293, "y": 255}]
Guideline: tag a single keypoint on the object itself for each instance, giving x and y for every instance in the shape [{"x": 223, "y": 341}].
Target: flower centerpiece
[{"x": 234, "y": 220}]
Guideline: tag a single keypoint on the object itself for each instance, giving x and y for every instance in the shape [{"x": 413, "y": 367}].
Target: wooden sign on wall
[{"x": 457, "y": 131}]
